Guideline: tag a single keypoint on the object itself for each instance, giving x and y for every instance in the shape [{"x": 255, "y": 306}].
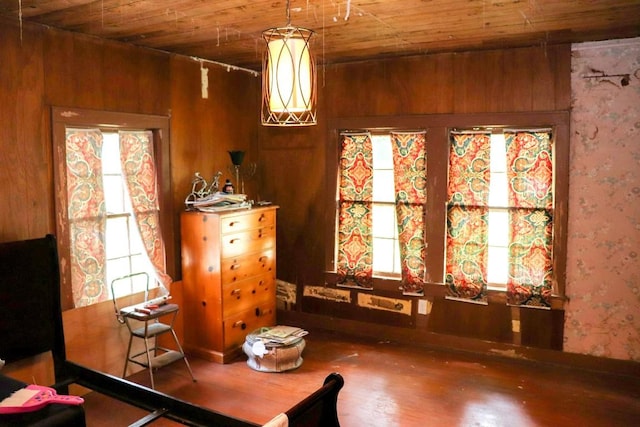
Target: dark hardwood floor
[{"x": 387, "y": 384}]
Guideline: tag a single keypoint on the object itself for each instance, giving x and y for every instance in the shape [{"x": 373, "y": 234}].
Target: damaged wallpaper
[{"x": 603, "y": 259}]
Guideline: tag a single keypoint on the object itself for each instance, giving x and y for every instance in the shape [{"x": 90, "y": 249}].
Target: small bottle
[{"x": 228, "y": 187}]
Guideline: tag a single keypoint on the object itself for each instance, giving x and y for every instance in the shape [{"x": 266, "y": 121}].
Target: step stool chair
[{"x": 144, "y": 322}]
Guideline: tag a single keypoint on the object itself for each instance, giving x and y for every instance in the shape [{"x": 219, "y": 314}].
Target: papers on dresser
[{"x": 219, "y": 202}]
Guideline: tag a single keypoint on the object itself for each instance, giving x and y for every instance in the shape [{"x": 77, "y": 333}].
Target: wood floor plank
[{"x": 387, "y": 384}]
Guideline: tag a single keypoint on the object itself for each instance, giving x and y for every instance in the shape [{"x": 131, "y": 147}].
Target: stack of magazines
[
  {"x": 219, "y": 202},
  {"x": 280, "y": 335}
]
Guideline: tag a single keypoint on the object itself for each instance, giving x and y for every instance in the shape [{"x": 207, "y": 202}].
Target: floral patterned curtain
[
  {"x": 355, "y": 245},
  {"x": 410, "y": 178},
  {"x": 87, "y": 215},
  {"x": 530, "y": 177},
  {"x": 467, "y": 216},
  {"x": 138, "y": 168}
]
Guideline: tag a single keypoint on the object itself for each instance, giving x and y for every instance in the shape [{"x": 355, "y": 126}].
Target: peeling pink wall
[{"x": 603, "y": 259}]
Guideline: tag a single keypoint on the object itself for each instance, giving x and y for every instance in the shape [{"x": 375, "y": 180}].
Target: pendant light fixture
[{"x": 288, "y": 77}]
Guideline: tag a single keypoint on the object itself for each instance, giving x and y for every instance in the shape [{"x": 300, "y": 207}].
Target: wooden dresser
[{"x": 228, "y": 276}]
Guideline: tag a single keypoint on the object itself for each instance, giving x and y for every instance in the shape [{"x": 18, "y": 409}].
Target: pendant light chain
[{"x": 288, "y": 14}]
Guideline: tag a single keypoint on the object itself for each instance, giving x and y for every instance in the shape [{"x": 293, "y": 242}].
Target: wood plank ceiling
[{"x": 230, "y": 31}]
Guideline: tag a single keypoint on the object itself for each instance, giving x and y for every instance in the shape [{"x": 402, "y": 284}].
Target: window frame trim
[
  {"x": 62, "y": 118},
  {"x": 438, "y": 127}
]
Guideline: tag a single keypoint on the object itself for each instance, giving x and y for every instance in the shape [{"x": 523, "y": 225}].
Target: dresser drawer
[
  {"x": 238, "y": 326},
  {"x": 254, "y": 240},
  {"x": 246, "y": 221},
  {"x": 243, "y": 295},
  {"x": 244, "y": 266}
]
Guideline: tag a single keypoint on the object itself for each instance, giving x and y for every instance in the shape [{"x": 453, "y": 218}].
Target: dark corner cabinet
[{"x": 228, "y": 276}]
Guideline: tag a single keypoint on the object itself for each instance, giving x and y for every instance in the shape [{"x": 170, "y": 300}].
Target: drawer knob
[
  {"x": 235, "y": 266},
  {"x": 262, "y": 218},
  {"x": 233, "y": 223},
  {"x": 236, "y": 292},
  {"x": 232, "y": 241},
  {"x": 240, "y": 324},
  {"x": 260, "y": 312},
  {"x": 263, "y": 258}
]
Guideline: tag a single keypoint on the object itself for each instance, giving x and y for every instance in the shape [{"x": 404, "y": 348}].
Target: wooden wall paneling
[
  {"x": 543, "y": 82},
  {"x": 438, "y": 95},
  {"x": 154, "y": 83},
  {"x": 416, "y": 85},
  {"x": 90, "y": 64},
  {"x": 368, "y": 77},
  {"x": 517, "y": 80},
  {"x": 25, "y": 166},
  {"x": 34, "y": 139},
  {"x": 493, "y": 70},
  {"x": 542, "y": 328},
  {"x": 203, "y": 130},
  {"x": 233, "y": 117},
  {"x": 332, "y": 148},
  {"x": 562, "y": 76},
  {"x": 405, "y": 87},
  {"x": 294, "y": 179},
  {"x": 327, "y": 85},
  {"x": 121, "y": 76},
  {"x": 185, "y": 148},
  {"x": 490, "y": 85},
  {"x": 393, "y": 92},
  {"x": 436, "y": 214},
  {"x": 485, "y": 322},
  {"x": 12, "y": 195},
  {"x": 60, "y": 72},
  {"x": 348, "y": 90},
  {"x": 470, "y": 82}
]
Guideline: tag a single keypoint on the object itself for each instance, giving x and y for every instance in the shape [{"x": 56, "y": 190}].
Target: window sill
[{"x": 388, "y": 287}]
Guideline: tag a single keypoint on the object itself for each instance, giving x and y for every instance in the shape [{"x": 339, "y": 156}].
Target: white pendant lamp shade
[{"x": 288, "y": 78}]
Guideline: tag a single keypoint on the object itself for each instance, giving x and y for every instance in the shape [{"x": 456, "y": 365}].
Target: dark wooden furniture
[{"x": 30, "y": 298}]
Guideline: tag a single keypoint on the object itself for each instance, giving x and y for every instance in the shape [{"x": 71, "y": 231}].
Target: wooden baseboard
[{"x": 449, "y": 342}]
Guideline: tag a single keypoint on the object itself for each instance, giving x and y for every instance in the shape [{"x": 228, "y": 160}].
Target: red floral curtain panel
[
  {"x": 87, "y": 215},
  {"x": 355, "y": 189},
  {"x": 467, "y": 216},
  {"x": 530, "y": 176},
  {"x": 410, "y": 179},
  {"x": 138, "y": 168}
]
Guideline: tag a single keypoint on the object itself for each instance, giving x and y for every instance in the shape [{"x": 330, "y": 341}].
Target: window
[
  {"x": 500, "y": 215},
  {"x": 380, "y": 209},
  {"x": 125, "y": 252},
  {"x": 109, "y": 206},
  {"x": 511, "y": 264}
]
